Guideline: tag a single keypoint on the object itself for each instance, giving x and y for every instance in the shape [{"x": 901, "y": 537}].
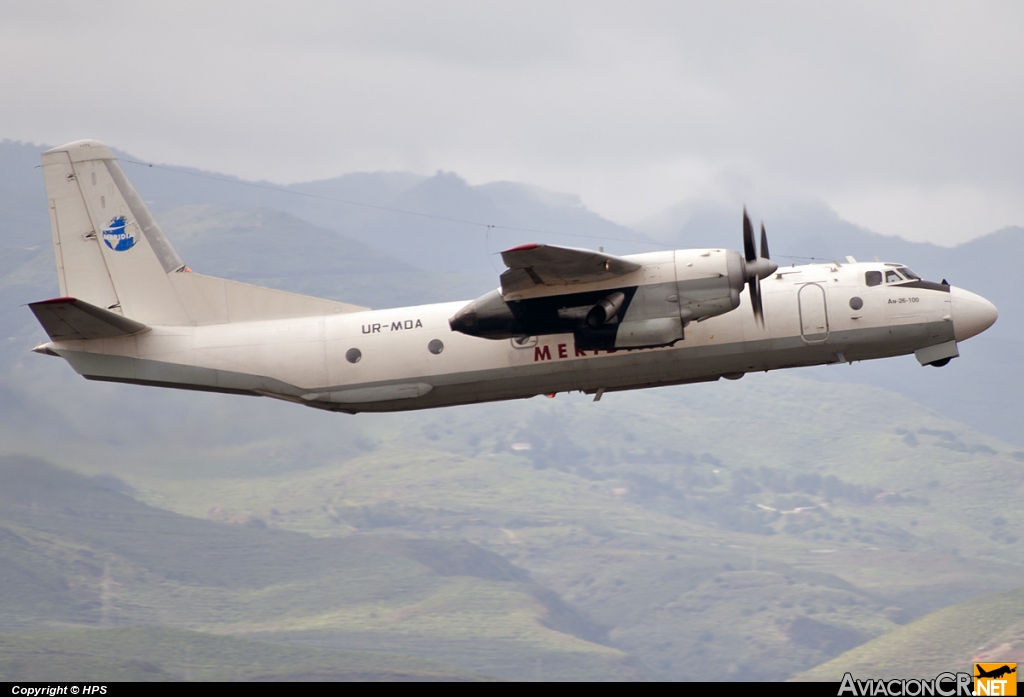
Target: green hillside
[
  {"x": 76, "y": 553},
  {"x": 160, "y": 654},
  {"x": 661, "y": 536},
  {"x": 989, "y": 629}
]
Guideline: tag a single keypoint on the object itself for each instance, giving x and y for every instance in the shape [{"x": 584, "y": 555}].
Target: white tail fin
[{"x": 111, "y": 253}]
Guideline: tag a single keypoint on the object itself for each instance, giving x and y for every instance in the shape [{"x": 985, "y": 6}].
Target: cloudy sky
[{"x": 903, "y": 117}]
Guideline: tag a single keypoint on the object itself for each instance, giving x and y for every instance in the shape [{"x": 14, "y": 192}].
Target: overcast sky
[{"x": 903, "y": 117}]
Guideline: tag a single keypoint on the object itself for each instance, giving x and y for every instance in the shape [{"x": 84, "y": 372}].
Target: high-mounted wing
[{"x": 532, "y": 265}]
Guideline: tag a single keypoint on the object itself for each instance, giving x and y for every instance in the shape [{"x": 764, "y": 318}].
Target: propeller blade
[
  {"x": 754, "y": 286},
  {"x": 748, "y": 238},
  {"x": 754, "y": 268}
]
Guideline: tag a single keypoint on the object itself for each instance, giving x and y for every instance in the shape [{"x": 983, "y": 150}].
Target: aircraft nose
[{"x": 972, "y": 314}]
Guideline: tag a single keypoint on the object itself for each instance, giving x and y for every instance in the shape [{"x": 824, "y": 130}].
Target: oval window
[
  {"x": 856, "y": 303},
  {"x": 353, "y": 355},
  {"x": 435, "y": 346}
]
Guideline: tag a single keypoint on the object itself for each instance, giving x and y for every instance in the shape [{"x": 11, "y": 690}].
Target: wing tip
[{"x": 522, "y": 248}]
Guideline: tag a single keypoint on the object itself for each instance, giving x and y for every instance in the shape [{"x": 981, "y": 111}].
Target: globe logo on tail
[{"x": 118, "y": 234}]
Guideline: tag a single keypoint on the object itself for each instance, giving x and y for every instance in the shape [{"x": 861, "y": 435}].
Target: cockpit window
[
  {"x": 873, "y": 278},
  {"x": 892, "y": 277},
  {"x": 908, "y": 273}
]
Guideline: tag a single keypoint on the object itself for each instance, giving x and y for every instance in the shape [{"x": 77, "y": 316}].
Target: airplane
[
  {"x": 995, "y": 673},
  {"x": 563, "y": 319}
]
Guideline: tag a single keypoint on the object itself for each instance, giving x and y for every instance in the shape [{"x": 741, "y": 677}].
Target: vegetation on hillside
[{"x": 988, "y": 629}]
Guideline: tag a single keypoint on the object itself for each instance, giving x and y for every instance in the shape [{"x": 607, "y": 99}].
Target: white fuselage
[
  {"x": 130, "y": 310},
  {"x": 809, "y": 320}
]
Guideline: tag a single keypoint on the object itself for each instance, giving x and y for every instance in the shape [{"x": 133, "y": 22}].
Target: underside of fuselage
[{"x": 596, "y": 371}]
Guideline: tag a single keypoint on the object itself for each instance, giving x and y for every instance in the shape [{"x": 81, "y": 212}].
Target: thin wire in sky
[{"x": 462, "y": 221}]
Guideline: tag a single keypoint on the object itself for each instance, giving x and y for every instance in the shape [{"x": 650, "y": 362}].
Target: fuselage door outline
[{"x": 813, "y": 313}]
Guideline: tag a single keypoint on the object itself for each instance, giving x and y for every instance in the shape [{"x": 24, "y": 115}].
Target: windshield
[{"x": 908, "y": 273}]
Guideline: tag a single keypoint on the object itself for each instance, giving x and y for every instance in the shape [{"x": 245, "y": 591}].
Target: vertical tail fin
[
  {"x": 110, "y": 251},
  {"x": 112, "y": 254}
]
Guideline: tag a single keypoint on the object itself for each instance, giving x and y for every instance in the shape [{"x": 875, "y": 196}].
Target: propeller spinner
[{"x": 755, "y": 268}]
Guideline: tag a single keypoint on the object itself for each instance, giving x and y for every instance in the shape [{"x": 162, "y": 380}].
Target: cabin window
[
  {"x": 353, "y": 355},
  {"x": 893, "y": 277},
  {"x": 873, "y": 278},
  {"x": 908, "y": 273}
]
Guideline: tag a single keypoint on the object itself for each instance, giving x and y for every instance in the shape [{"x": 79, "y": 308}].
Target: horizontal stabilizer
[
  {"x": 68, "y": 319},
  {"x": 543, "y": 264}
]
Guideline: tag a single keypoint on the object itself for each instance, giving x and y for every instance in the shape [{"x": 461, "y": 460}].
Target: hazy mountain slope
[
  {"x": 22, "y": 196},
  {"x": 985, "y": 264},
  {"x": 431, "y": 240},
  {"x": 275, "y": 249},
  {"x": 424, "y": 241},
  {"x": 83, "y": 553},
  {"x": 323, "y": 205},
  {"x": 149, "y": 654},
  {"x": 448, "y": 246},
  {"x": 989, "y": 629},
  {"x": 699, "y": 528},
  {"x": 979, "y": 389},
  {"x": 796, "y": 233}
]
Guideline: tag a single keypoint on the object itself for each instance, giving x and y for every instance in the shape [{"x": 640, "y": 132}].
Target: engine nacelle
[
  {"x": 668, "y": 290},
  {"x": 489, "y": 317},
  {"x": 709, "y": 282}
]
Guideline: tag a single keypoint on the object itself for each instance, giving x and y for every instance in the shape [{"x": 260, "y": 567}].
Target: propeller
[{"x": 755, "y": 268}]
